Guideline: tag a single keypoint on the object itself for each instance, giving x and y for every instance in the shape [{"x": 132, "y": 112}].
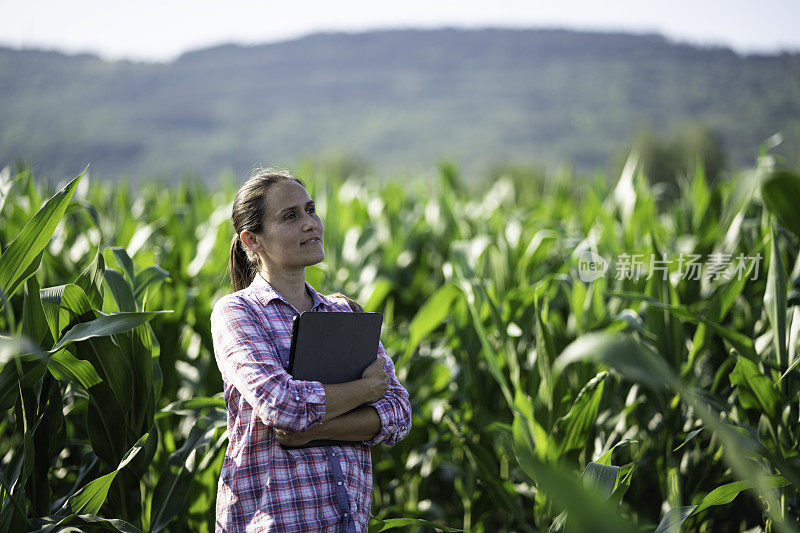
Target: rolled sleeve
[
  {"x": 247, "y": 359},
  {"x": 394, "y": 409}
]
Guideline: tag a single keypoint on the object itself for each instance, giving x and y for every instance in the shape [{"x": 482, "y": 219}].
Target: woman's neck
[{"x": 292, "y": 286}]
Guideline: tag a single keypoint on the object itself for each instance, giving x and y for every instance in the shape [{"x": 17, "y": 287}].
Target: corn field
[{"x": 546, "y": 397}]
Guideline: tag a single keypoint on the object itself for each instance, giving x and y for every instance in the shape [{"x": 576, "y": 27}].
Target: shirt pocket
[{"x": 283, "y": 355}]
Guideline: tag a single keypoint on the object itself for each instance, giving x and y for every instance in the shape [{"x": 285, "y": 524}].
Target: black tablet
[{"x": 333, "y": 347}]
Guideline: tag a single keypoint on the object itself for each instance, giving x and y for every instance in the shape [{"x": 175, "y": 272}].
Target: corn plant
[{"x": 541, "y": 401}]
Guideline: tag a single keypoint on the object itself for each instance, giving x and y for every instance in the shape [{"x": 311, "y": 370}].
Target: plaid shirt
[{"x": 264, "y": 487}]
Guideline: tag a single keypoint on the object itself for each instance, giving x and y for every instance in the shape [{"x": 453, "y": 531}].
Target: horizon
[
  {"x": 670, "y": 40},
  {"x": 118, "y": 33}
]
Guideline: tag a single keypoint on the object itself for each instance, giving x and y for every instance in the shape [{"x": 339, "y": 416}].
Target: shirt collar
[{"x": 266, "y": 293}]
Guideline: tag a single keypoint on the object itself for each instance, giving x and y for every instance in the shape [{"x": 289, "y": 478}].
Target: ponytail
[
  {"x": 355, "y": 307},
  {"x": 241, "y": 269}
]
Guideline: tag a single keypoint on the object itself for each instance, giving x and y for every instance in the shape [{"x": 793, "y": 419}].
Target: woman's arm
[
  {"x": 247, "y": 359},
  {"x": 346, "y": 418},
  {"x": 394, "y": 409},
  {"x": 360, "y": 424},
  {"x": 343, "y": 397},
  {"x": 386, "y": 420}
]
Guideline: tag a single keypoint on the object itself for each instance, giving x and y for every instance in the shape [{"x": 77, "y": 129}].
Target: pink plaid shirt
[{"x": 264, "y": 487}]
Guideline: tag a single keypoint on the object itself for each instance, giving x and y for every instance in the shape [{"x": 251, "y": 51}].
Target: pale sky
[{"x": 160, "y": 30}]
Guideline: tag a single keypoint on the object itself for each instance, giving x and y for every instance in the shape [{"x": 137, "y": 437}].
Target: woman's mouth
[{"x": 314, "y": 239}]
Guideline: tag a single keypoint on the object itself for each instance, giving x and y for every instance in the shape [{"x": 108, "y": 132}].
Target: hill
[{"x": 401, "y": 99}]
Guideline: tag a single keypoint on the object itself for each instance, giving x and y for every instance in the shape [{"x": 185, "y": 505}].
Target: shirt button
[
  {"x": 297, "y": 398},
  {"x": 339, "y": 483},
  {"x": 345, "y": 515},
  {"x": 333, "y": 454}
]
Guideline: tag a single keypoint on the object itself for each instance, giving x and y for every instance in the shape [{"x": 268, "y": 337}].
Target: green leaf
[
  {"x": 91, "y": 497},
  {"x": 91, "y": 280},
  {"x": 191, "y": 406},
  {"x": 431, "y": 315},
  {"x": 169, "y": 495},
  {"x": 126, "y": 263},
  {"x": 701, "y": 195},
  {"x": 376, "y": 524},
  {"x": 524, "y": 447},
  {"x": 690, "y": 436},
  {"x": 528, "y": 434},
  {"x": 756, "y": 390},
  {"x": 487, "y": 349},
  {"x": 112, "y": 365},
  {"x": 597, "y": 478},
  {"x": 24, "y": 253},
  {"x": 622, "y": 487},
  {"x": 106, "y": 425},
  {"x": 59, "y": 522},
  {"x": 545, "y": 355},
  {"x": 152, "y": 275},
  {"x": 780, "y": 191},
  {"x": 672, "y": 521},
  {"x": 775, "y": 301},
  {"x": 586, "y": 508},
  {"x": 121, "y": 290},
  {"x": 497, "y": 489},
  {"x": 62, "y": 302},
  {"x": 105, "y": 325},
  {"x": 621, "y": 353},
  {"x": 559, "y": 523},
  {"x": 64, "y": 365},
  {"x": 581, "y": 417},
  {"x": 600, "y": 478},
  {"x": 34, "y": 321},
  {"x": 605, "y": 459},
  {"x": 13, "y": 479},
  {"x": 793, "y": 341},
  {"x": 742, "y": 343},
  {"x": 137, "y": 347},
  {"x": 726, "y": 493}
]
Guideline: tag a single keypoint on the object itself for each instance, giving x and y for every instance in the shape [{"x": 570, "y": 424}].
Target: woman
[{"x": 263, "y": 486}]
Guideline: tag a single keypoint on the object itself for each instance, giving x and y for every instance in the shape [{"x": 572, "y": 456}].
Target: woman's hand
[
  {"x": 376, "y": 380},
  {"x": 343, "y": 397},
  {"x": 294, "y": 439}
]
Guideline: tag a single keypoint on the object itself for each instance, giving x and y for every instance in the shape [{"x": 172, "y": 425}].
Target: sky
[{"x": 160, "y": 30}]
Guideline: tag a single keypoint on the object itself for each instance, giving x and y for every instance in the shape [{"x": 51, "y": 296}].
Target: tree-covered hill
[{"x": 400, "y": 99}]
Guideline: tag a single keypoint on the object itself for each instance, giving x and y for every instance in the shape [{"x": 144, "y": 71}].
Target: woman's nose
[{"x": 310, "y": 221}]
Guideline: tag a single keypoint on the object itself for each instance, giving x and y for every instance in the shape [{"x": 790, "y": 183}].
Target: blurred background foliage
[{"x": 540, "y": 401}]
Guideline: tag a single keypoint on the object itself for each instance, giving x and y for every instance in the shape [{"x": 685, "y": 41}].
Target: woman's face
[{"x": 292, "y": 236}]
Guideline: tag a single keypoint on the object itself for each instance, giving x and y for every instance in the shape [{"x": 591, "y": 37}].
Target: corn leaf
[
  {"x": 780, "y": 191},
  {"x": 673, "y": 519},
  {"x": 105, "y": 325},
  {"x": 376, "y": 524},
  {"x": 775, "y": 301},
  {"x": 756, "y": 390},
  {"x": 91, "y": 497},
  {"x": 21, "y": 259}
]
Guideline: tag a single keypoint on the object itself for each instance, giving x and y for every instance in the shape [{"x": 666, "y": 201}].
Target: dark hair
[
  {"x": 247, "y": 214},
  {"x": 354, "y": 305}
]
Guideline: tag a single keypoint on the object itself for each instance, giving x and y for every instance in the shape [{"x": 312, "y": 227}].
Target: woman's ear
[{"x": 249, "y": 240}]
